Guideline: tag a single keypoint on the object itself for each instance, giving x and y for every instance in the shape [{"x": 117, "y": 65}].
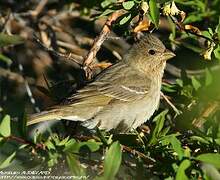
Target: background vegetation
[{"x": 44, "y": 48}]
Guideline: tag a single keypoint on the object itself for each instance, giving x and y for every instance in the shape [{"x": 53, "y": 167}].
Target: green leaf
[
  {"x": 159, "y": 119},
  {"x": 5, "y": 127},
  {"x": 49, "y": 145},
  {"x": 217, "y": 141},
  {"x": 208, "y": 77},
  {"x": 195, "y": 17},
  {"x": 106, "y": 3},
  {"x": 63, "y": 142},
  {"x": 179, "y": 82},
  {"x": 5, "y": 59},
  {"x": 7, "y": 161},
  {"x": 196, "y": 84},
  {"x": 168, "y": 88},
  {"x": 180, "y": 175},
  {"x": 210, "y": 158},
  {"x": 175, "y": 167},
  {"x": 218, "y": 29},
  {"x": 154, "y": 12},
  {"x": 210, "y": 31},
  {"x": 53, "y": 158},
  {"x": 165, "y": 131},
  {"x": 74, "y": 165},
  {"x": 37, "y": 137},
  {"x": 112, "y": 161},
  {"x": 125, "y": 19},
  {"x": 55, "y": 138},
  {"x": 6, "y": 40},
  {"x": 200, "y": 139},
  {"x": 72, "y": 146},
  {"x": 175, "y": 143},
  {"x": 23, "y": 146},
  {"x": 92, "y": 145},
  {"x": 106, "y": 12},
  {"x": 206, "y": 34},
  {"x": 1, "y": 139},
  {"x": 187, "y": 152},
  {"x": 217, "y": 52},
  {"x": 128, "y": 5}
]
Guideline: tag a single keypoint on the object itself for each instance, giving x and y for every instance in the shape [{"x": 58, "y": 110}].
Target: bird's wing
[
  {"x": 118, "y": 82},
  {"x": 123, "y": 92}
]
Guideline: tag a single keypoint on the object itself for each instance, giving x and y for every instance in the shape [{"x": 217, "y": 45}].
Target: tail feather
[
  {"x": 67, "y": 112},
  {"x": 44, "y": 116},
  {"x": 79, "y": 111}
]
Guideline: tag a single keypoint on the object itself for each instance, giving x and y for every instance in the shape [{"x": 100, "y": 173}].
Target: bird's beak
[{"x": 168, "y": 54}]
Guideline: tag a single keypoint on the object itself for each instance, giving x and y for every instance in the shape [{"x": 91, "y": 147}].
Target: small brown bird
[{"x": 123, "y": 96}]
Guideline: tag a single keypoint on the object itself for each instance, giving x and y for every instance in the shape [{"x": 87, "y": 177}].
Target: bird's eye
[{"x": 151, "y": 52}]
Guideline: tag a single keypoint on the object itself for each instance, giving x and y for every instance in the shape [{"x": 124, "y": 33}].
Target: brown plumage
[{"x": 123, "y": 96}]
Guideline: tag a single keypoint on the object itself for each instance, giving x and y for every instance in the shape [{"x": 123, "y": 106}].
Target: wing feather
[{"x": 117, "y": 83}]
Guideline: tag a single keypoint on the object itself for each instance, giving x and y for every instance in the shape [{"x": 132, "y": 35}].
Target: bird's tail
[
  {"x": 54, "y": 114},
  {"x": 77, "y": 112}
]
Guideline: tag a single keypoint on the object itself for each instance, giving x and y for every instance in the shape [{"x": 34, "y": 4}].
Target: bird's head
[{"x": 149, "y": 52}]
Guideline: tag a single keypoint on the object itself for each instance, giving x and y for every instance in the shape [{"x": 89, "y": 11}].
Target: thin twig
[
  {"x": 140, "y": 154},
  {"x": 182, "y": 28},
  {"x": 65, "y": 56},
  {"x": 15, "y": 76},
  {"x": 73, "y": 48},
  {"x": 170, "y": 103},
  {"x": 23, "y": 141},
  {"x": 126, "y": 148},
  {"x": 28, "y": 89},
  {"x": 100, "y": 39},
  {"x": 39, "y": 8},
  {"x": 6, "y": 21}
]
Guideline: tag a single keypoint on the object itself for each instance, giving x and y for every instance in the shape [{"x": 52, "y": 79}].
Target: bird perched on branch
[{"x": 123, "y": 96}]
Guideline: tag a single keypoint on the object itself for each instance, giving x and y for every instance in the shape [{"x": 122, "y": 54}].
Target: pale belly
[
  {"x": 146, "y": 109},
  {"x": 129, "y": 116},
  {"x": 126, "y": 116}
]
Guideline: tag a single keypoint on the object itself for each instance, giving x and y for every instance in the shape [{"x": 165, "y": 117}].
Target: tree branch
[{"x": 100, "y": 39}]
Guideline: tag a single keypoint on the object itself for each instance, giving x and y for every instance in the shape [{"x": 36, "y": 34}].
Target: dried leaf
[
  {"x": 142, "y": 25},
  {"x": 192, "y": 29},
  {"x": 182, "y": 15},
  {"x": 207, "y": 54}
]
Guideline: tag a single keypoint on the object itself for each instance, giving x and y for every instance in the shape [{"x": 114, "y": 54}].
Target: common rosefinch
[{"x": 123, "y": 96}]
